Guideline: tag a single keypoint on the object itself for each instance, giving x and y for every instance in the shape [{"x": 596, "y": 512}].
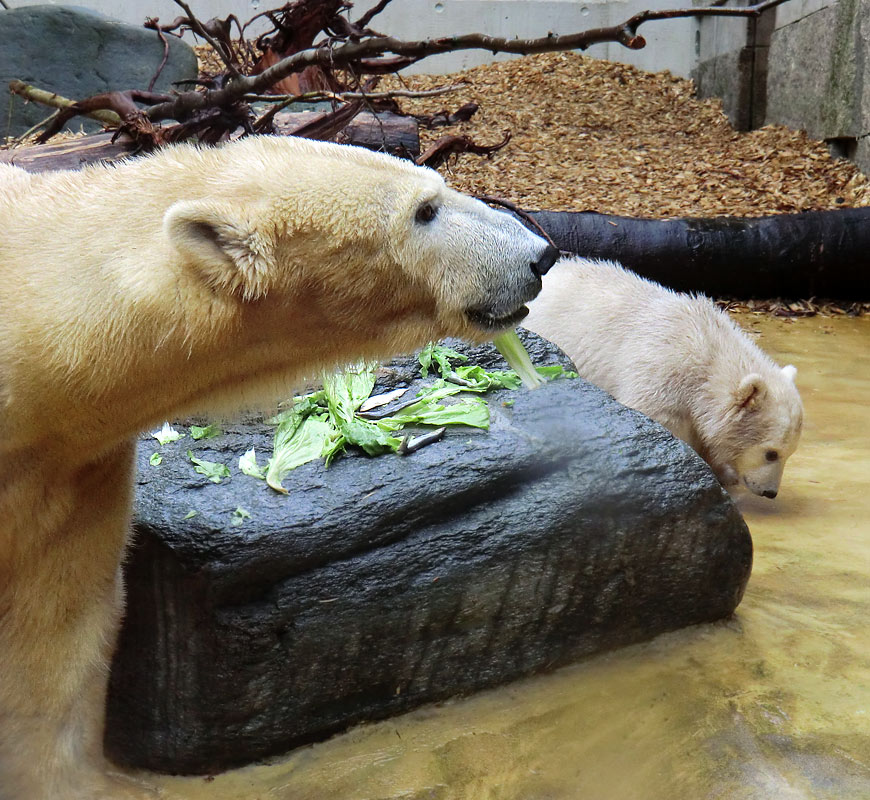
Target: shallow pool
[{"x": 773, "y": 704}]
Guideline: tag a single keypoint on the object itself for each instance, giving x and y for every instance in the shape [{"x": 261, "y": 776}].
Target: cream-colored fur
[
  {"x": 187, "y": 281},
  {"x": 678, "y": 359}
]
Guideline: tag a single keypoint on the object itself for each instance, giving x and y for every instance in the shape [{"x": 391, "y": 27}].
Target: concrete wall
[
  {"x": 806, "y": 64},
  {"x": 671, "y": 43}
]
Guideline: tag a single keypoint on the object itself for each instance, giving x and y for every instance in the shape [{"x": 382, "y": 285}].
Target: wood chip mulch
[
  {"x": 595, "y": 135},
  {"x": 791, "y": 309}
]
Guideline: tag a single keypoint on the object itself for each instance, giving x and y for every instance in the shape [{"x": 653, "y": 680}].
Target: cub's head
[
  {"x": 762, "y": 431},
  {"x": 359, "y": 238}
]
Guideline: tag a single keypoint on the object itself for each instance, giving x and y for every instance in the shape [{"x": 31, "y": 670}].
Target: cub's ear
[
  {"x": 789, "y": 372},
  {"x": 750, "y": 392},
  {"x": 223, "y": 244}
]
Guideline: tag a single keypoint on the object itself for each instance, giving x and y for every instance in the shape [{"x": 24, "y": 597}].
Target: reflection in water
[{"x": 773, "y": 704}]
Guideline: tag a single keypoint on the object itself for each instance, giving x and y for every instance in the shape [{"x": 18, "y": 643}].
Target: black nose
[
  {"x": 543, "y": 264},
  {"x": 771, "y": 493}
]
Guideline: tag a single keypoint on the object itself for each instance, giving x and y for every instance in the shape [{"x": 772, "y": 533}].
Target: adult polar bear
[{"x": 188, "y": 280}]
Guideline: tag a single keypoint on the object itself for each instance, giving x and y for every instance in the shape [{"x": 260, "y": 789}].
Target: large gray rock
[
  {"x": 573, "y": 526},
  {"x": 78, "y": 53}
]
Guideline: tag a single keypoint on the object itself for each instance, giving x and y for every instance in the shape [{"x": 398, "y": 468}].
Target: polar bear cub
[
  {"x": 193, "y": 279},
  {"x": 678, "y": 359}
]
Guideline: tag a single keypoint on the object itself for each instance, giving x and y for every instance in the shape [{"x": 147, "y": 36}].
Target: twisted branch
[{"x": 411, "y": 51}]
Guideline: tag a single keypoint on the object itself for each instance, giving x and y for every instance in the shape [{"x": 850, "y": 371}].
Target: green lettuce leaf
[
  {"x": 239, "y": 516},
  {"x": 514, "y": 352},
  {"x": 440, "y": 355},
  {"x": 248, "y": 465},
  {"x": 296, "y": 443},
  {"x": 473, "y": 412},
  {"x": 167, "y": 434},
  {"x": 213, "y": 470},
  {"x": 207, "y": 432}
]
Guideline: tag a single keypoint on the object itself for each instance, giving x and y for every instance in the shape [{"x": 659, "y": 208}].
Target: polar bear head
[
  {"x": 761, "y": 430},
  {"x": 365, "y": 238}
]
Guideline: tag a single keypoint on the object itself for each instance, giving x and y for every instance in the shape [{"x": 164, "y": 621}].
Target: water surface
[{"x": 773, "y": 704}]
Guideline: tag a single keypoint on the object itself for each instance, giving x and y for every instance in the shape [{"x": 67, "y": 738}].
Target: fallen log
[
  {"x": 813, "y": 254},
  {"x": 387, "y": 131},
  {"x": 575, "y": 525}
]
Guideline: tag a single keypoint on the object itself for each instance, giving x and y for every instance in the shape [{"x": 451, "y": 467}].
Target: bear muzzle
[
  {"x": 507, "y": 309},
  {"x": 549, "y": 257},
  {"x": 488, "y": 321}
]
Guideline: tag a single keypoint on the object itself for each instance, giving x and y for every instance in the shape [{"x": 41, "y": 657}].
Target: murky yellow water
[{"x": 773, "y": 704}]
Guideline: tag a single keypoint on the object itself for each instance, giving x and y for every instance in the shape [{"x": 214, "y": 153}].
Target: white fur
[
  {"x": 678, "y": 359},
  {"x": 191, "y": 279}
]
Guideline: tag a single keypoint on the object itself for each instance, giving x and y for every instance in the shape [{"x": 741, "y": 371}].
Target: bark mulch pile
[
  {"x": 790, "y": 310},
  {"x": 595, "y": 135}
]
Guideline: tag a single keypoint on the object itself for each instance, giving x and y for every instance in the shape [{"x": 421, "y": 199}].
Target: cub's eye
[
  {"x": 771, "y": 455},
  {"x": 426, "y": 213}
]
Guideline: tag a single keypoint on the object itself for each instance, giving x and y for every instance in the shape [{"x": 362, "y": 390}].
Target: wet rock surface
[{"x": 573, "y": 526}]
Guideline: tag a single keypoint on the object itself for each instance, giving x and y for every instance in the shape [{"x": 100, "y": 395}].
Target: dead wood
[
  {"x": 385, "y": 131},
  {"x": 121, "y": 104},
  {"x": 55, "y": 100},
  {"x": 813, "y": 254},
  {"x": 326, "y": 127},
  {"x": 352, "y": 52},
  {"x": 72, "y": 153},
  {"x": 447, "y": 146},
  {"x": 444, "y": 117},
  {"x": 292, "y": 60}
]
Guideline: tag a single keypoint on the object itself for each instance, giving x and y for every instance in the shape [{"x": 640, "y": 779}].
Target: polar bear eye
[
  {"x": 426, "y": 213},
  {"x": 771, "y": 455}
]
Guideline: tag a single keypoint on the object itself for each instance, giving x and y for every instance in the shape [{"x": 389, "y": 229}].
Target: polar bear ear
[
  {"x": 789, "y": 372},
  {"x": 225, "y": 247},
  {"x": 750, "y": 392}
]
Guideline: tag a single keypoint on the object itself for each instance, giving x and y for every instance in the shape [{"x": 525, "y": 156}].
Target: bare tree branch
[
  {"x": 439, "y": 152},
  {"x": 366, "y": 18},
  {"x": 200, "y": 30},
  {"x": 341, "y": 55},
  {"x": 343, "y": 97},
  {"x": 54, "y": 100}
]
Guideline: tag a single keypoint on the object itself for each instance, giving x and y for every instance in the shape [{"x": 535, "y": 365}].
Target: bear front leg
[{"x": 61, "y": 597}]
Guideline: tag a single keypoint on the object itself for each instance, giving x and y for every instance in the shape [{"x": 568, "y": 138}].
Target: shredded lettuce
[
  {"x": 213, "y": 470},
  {"x": 324, "y": 423},
  {"x": 190, "y": 514},
  {"x": 441, "y": 356},
  {"x": 207, "y": 432},
  {"x": 239, "y": 516},
  {"x": 510, "y": 346},
  {"x": 297, "y": 441},
  {"x": 249, "y": 466},
  {"x": 155, "y": 460},
  {"x": 473, "y": 412},
  {"x": 167, "y": 434}
]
